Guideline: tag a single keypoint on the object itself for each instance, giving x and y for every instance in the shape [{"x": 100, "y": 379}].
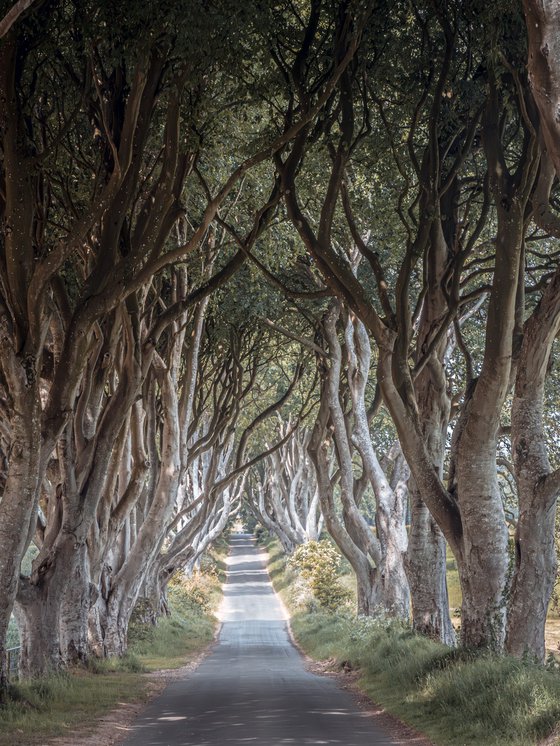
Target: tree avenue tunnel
[{"x": 296, "y": 264}]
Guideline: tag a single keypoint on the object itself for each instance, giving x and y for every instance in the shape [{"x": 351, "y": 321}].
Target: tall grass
[
  {"x": 456, "y": 696},
  {"x": 57, "y": 704}
]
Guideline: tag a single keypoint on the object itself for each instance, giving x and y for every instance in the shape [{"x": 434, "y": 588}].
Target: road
[{"x": 253, "y": 687}]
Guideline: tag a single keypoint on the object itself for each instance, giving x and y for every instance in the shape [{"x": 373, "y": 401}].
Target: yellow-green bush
[{"x": 318, "y": 563}]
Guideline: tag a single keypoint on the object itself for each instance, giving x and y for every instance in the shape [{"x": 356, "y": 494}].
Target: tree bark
[
  {"x": 17, "y": 506},
  {"x": 426, "y": 558},
  {"x": 538, "y": 485},
  {"x": 391, "y": 500},
  {"x": 543, "y": 28},
  {"x": 52, "y": 611},
  {"x": 427, "y": 573},
  {"x": 319, "y": 450}
]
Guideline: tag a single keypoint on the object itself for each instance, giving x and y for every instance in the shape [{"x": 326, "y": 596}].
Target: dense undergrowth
[
  {"x": 455, "y": 696},
  {"x": 58, "y": 704}
]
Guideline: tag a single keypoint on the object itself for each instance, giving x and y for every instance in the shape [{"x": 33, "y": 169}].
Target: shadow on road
[{"x": 253, "y": 687}]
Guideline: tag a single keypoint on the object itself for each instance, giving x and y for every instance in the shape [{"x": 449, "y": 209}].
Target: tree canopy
[{"x": 295, "y": 258}]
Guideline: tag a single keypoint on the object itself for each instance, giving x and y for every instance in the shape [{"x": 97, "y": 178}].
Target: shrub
[
  {"x": 318, "y": 563},
  {"x": 192, "y": 592}
]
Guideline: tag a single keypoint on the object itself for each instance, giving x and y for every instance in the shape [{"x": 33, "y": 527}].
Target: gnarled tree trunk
[
  {"x": 538, "y": 485},
  {"x": 18, "y": 503}
]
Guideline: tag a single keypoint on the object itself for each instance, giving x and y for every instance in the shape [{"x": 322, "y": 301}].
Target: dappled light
[{"x": 253, "y": 687}]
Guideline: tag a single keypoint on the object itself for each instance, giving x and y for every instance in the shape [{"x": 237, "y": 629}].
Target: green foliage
[
  {"x": 27, "y": 561},
  {"x": 193, "y": 592},
  {"x": 141, "y": 626},
  {"x": 248, "y": 520},
  {"x": 318, "y": 563}
]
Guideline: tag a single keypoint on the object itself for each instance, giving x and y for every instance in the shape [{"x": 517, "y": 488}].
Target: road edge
[{"x": 349, "y": 681}]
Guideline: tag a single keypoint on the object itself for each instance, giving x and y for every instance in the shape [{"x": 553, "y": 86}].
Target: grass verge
[
  {"x": 454, "y": 696},
  {"x": 58, "y": 705}
]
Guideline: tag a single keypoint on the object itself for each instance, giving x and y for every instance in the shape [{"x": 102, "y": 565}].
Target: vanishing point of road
[{"x": 253, "y": 687}]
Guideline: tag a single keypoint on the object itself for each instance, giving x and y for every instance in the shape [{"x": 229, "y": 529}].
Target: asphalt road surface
[{"x": 253, "y": 687}]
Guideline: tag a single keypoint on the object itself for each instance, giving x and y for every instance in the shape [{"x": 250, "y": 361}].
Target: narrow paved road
[{"x": 253, "y": 687}]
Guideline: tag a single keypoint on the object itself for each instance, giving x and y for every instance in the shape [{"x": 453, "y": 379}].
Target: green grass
[
  {"x": 56, "y": 705},
  {"x": 189, "y": 629},
  {"x": 278, "y": 570},
  {"x": 453, "y": 696},
  {"x": 456, "y": 697},
  {"x": 76, "y": 699}
]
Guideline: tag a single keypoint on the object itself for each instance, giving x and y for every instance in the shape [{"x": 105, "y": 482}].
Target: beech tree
[
  {"x": 469, "y": 510},
  {"x": 376, "y": 553},
  {"x": 284, "y": 496},
  {"x": 195, "y": 487},
  {"x": 84, "y": 239}
]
